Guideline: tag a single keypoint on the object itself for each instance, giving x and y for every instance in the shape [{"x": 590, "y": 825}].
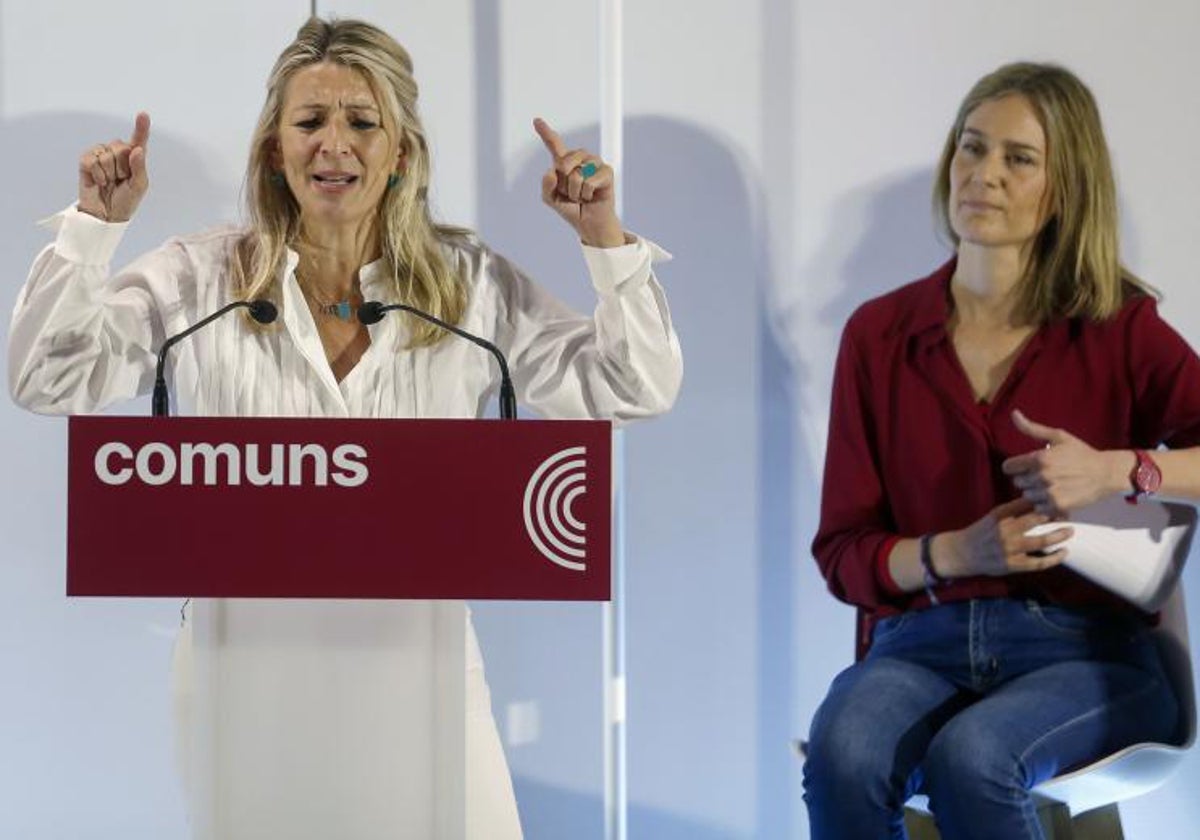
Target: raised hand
[
  {"x": 1065, "y": 474},
  {"x": 581, "y": 188},
  {"x": 112, "y": 176},
  {"x": 997, "y": 544}
]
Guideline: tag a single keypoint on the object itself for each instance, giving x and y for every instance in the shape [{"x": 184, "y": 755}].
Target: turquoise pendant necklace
[{"x": 343, "y": 310}]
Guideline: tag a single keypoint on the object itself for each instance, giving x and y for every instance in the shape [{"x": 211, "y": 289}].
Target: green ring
[{"x": 588, "y": 170}]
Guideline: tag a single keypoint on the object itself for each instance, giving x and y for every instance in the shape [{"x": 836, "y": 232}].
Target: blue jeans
[{"x": 973, "y": 703}]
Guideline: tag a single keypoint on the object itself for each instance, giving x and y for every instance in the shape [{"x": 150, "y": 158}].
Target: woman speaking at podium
[{"x": 336, "y": 184}]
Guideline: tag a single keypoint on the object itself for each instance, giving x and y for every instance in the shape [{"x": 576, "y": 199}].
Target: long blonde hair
[
  {"x": 409, "y": 238},
  {"x": 1074, "y": 268}
]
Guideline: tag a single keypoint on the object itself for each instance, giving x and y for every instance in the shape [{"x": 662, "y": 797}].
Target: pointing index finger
[
  {"x": 141, "y": 130},
  {"x": 550, "y": 138}
]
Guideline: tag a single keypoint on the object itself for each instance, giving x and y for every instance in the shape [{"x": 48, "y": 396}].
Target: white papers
[{"x": 1136, "y": 551}]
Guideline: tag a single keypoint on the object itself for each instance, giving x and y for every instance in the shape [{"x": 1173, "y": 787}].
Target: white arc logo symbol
[{"x": 549, "y": 521}]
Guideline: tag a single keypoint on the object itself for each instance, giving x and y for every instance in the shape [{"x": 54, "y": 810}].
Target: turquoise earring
[
  {"x": 277, "y": 179},
  {"x": 394, "y": 179}
]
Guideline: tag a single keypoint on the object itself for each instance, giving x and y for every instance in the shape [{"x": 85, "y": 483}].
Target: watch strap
[
  {"x": 1145, "y": 478},
  {"x": 931, "y": 578}
]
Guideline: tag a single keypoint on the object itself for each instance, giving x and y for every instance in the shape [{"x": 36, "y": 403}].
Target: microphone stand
[
  {"x": 262, "y": 311},
  {"x": 372, "y": 312}
]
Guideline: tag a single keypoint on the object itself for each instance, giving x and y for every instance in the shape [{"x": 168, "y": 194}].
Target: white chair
[{"x": 1082, "y": 804}]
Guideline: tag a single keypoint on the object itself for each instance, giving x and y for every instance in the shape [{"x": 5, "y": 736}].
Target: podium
[{"x": 329, "y": 682}]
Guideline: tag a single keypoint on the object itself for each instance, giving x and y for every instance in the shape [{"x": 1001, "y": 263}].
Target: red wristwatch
[{"x": 1145, "y": 478}]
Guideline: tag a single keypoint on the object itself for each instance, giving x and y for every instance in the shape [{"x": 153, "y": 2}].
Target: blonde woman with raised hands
[{"x": 336, "y": 190}]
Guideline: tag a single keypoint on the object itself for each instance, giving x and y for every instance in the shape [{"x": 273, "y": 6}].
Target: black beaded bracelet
[{"x": 931, "y": 578}]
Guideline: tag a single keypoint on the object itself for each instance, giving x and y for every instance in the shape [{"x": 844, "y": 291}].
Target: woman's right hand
[
  {"x": 997, "y": 544},
  {"x": 112, "y": 176}
]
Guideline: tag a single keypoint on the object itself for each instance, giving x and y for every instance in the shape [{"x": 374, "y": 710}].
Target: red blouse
[{"x": 911, "y": 451}]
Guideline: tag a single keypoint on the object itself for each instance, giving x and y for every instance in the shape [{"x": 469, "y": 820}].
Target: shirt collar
[
  {"x": 928, "y": 325},
  {"x": 932, "y": 310},
  {"x": 373, "y": 277}
]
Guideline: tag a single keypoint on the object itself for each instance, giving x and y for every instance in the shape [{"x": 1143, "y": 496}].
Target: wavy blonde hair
[
  {"x": 409, "y": 238},
  {"x": 1074, "y": 268}
]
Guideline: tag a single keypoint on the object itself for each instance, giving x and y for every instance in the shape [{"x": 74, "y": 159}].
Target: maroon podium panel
[{"x": 320, "y": 508}]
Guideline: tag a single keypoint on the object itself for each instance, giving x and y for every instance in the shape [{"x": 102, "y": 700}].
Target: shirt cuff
[
  {"x": 882, "y": 573},
  {"x": 612, "y": 268},
  {"x": 83, "y": 238}
]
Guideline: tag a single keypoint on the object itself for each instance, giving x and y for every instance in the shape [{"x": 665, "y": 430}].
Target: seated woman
[
  {"x": 1027, "y": 377},
  {"x": 337, "y": 179}
]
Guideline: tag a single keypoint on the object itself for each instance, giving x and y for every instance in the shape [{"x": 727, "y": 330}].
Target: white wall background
[{"x": 781, "y": 149}]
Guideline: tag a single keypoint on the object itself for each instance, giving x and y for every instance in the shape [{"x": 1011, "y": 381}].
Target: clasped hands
[{"x": 1064, "y": 475}]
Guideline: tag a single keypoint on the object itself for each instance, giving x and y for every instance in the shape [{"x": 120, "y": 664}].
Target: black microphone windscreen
[
  {"x": 263, "y": 311},
  {"x": 370, "y": 312}
]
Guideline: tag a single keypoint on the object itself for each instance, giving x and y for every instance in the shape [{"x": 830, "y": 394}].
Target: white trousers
[{"x": 335, "y": 699}]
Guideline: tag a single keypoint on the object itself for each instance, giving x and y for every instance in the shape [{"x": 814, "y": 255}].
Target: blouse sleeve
[
  {"x": 855, "y": 532},
  {"x": 622, "y": 363},
  {"x": 79, "y": 340},
  {"x": 1166, "y": 378}
]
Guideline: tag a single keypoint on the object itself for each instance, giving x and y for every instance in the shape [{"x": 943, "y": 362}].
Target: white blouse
[{"x": 81, "y": 341}]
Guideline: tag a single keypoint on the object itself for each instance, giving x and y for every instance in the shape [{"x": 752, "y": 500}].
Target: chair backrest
[
  {"x": 1139, "y": 768},
  {"x": 1174, "y": 646}
]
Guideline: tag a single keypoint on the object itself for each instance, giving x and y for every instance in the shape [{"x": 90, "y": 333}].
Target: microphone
[
  {"x": 372, "y": 312},
  {"x": 262, "y": 311}
]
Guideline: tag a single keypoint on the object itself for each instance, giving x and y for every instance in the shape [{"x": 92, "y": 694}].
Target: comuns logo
[
  {"x": 551, "y": 524},
  {"x": 276, "y": 464}
]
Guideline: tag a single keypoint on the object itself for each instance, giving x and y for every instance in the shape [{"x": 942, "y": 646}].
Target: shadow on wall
[
  {"x": 708, "y": 485},
  {"x": 183, "y": 198},
  {"x": 898, "y": 242},
  {"x": 724, "y": 544},
  {"x": 81, "y": 643}
]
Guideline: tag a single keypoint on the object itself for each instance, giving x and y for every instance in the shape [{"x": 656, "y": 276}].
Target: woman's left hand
[
  {"x": 1066, "y": 474},
  {"x": 581, "y": 188}
]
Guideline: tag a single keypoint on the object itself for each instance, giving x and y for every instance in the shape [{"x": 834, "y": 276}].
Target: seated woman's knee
[
  {"x": 969, "y": 755},
  {"x": 842, "y": 749},
  {"x": 853, "y": 743}
]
